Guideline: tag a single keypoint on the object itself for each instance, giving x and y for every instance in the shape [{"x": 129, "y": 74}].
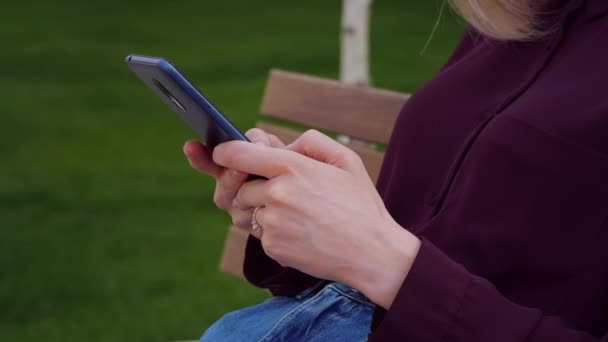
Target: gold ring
[{"x": 255, "y": 226}]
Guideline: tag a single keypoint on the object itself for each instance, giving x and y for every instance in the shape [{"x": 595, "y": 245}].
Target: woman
[{"x": 490, "y": 222}]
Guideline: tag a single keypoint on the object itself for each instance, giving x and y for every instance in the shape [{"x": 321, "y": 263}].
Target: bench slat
[{"x": 364, "y": 113}]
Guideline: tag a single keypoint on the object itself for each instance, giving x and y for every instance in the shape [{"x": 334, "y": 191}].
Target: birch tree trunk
[
  {"x": 354, "y": 52},
  {"x": 354, "y": 61}
]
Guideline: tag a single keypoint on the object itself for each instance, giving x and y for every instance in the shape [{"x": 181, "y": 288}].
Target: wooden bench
[{"x": 365, "y": 115}]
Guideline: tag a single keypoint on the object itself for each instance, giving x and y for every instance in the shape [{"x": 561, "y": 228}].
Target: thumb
[{"x": 320, "y": 147}]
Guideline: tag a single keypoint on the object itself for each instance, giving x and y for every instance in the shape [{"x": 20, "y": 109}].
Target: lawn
[{"x": 105, "y": 232}]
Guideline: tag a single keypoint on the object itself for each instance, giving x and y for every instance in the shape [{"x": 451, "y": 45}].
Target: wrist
[{"x": 386, "y": 265}]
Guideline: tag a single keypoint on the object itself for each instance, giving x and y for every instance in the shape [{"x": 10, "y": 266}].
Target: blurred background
[{"x": 106, "y": 234}]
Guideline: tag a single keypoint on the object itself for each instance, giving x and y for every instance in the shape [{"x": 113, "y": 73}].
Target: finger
[
  {"x": 320, "y": 147},
  {"x": 199, "y": 158},
  {"x": 275, "y": 141},
  {"x": 228, "y": 184},
  {"x": 252, "y": 194},
  {"x": 256, "y": 159},
  {"x": 258, "y": 135},
  {"x": 241, "y": 219}
]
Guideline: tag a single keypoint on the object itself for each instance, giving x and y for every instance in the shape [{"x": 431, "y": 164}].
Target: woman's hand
[
  {"x": 228, "y": 181},
  {"x": 322, "y": 214}
]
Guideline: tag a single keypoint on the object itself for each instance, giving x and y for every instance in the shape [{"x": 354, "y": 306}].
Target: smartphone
[{"x": 184, "y": 99}]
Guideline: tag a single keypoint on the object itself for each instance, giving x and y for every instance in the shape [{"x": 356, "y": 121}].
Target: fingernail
[{"x": 235, "y": 204}]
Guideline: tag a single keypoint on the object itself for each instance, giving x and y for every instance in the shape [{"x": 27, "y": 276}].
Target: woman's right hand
[{"x": 228, "y": 181}]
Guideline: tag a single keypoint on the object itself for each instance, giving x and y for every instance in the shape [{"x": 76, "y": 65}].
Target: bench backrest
[{"x": 294, "y": 102}]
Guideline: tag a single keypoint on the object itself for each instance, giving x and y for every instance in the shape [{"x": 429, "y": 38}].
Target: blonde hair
[{"x": 501, "y": 19}]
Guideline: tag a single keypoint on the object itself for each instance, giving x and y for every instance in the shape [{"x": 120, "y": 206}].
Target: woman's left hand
[{"x": 322, "y": 214}]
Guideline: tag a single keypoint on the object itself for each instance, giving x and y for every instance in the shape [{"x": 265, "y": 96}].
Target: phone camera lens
[
  {"x": 178, "y": 104},
  {"x": 168, "y": 94}
]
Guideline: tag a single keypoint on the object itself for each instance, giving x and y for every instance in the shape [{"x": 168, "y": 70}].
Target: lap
[{"x": 332, "y": 312}]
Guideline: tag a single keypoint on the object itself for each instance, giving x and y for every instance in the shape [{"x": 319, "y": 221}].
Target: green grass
[{"x": 105, "y": 233}]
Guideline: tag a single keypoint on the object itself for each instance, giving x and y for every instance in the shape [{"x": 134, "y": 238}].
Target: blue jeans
[{"x": 324, "y": 312}]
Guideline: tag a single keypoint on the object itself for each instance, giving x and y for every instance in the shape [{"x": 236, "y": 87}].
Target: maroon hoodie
[{"x": 500, "y": 165}]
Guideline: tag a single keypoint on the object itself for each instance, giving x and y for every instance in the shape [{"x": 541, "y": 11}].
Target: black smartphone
[{"x": 184, "y": 99}]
